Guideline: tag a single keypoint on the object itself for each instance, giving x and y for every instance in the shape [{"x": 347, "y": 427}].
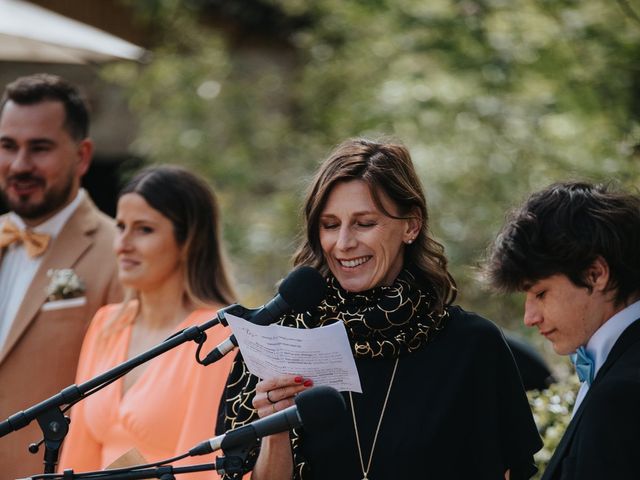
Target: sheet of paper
[{"x": 322, "y": 354}]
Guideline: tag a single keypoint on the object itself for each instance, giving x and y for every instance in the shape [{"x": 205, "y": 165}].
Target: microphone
[
  {"x": 315, "y": 409},
  {"x": 301, "y": 290}
]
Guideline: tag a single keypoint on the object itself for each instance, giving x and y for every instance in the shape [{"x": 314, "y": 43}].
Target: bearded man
[{"x": 56, "y": 261}]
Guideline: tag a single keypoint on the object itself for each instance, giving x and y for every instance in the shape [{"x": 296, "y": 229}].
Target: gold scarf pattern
[{"x": 381, "y": 323}]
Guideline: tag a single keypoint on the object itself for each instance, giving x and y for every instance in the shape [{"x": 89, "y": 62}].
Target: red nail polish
[
  {"x": 308, "y": 383},
  {"x": 298, "y": 379}
]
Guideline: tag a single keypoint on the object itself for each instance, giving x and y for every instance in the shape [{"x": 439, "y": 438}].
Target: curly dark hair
[{"x": 563, "y": 229}]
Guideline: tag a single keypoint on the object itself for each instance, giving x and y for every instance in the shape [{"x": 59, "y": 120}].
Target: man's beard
[{"x": 51, "y": 202}]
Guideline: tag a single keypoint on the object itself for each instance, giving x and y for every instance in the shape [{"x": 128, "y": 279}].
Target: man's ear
[
  {"x": 597, "y": 274},
  {"x": 85, "y": 152}
]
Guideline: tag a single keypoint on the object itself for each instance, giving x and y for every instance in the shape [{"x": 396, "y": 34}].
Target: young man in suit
[
  {"x": 574, "y": 249},
  {"x": 52, "y": 225}
]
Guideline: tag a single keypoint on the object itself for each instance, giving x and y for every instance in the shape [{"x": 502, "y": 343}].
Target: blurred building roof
[{"x": 31, "y": 33}]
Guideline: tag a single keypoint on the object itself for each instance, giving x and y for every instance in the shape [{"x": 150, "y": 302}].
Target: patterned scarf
[{"x": 381, "y": 323}]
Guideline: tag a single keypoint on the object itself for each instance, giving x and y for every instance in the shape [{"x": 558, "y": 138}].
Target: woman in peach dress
[{"x": 170, "y": 258}]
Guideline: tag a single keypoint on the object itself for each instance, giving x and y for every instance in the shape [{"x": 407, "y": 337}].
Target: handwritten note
[{"x": 322, "y": 354}]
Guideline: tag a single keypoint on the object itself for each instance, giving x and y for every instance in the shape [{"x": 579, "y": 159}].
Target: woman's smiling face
[{"x": 363, "y": 247}]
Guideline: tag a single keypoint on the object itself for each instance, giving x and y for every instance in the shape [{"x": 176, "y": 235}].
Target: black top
[{"x": 457, "y": 410}]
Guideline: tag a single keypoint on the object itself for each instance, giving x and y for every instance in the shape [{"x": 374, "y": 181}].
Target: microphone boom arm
[{"x": 49, "y": 415}]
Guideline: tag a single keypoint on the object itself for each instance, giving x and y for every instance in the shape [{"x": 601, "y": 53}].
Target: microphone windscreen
[
  {"x": 303, "y": 289},
  {"x": 320, "y": 407}
]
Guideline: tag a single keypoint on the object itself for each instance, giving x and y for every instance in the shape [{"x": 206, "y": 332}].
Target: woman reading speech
[{"x": 442, "y": 397}]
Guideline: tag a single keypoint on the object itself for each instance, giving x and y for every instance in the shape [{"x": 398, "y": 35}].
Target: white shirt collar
[
  {"x": 53, "y": 225},
  {"x": 601, "y": 342}
]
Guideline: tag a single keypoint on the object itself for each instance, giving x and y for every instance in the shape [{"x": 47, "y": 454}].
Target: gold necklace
[{"x": 365, "y": 472}]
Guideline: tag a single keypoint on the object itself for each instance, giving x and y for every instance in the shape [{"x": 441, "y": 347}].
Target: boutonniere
[{"x": 64, "y": 284}]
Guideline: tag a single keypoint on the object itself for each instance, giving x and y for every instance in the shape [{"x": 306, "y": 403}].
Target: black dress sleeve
[{"x": 505, "y": 427}]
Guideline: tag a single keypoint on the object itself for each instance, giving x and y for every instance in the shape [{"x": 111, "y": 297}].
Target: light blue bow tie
[{"x": 585, "y": 366}]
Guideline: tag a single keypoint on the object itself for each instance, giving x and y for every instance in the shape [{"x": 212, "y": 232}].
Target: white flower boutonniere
[{"x": 64, "y": 284}]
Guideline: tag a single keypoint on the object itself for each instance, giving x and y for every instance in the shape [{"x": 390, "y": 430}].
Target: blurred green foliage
[
  {"x": 494, "y": 98},
  {"x": 552, "y": 410}
]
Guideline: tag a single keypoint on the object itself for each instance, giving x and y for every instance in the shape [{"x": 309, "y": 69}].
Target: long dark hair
[
  {"x": 191, "y": 206},
  {"x": 384, "y": 167}
]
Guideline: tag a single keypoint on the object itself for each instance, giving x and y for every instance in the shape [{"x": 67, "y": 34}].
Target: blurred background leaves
[{"x": 494, "y": 98}]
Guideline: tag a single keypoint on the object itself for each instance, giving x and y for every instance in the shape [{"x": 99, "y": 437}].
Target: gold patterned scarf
[{"x": 383, "y": 323}]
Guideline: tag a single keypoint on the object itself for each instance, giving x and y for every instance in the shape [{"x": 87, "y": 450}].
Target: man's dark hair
[
  {"x": 563, "y": 229},
  {"x": 45, "y": 87}
]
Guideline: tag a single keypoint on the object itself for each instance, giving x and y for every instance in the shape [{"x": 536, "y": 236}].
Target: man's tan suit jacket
[{"x": 40, "y": 355}]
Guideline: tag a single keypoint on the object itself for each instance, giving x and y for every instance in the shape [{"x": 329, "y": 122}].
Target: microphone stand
[
  {"x": 48, "y": 413},
  {"x": 166, "y": 472},
  {"x": 231, "y": 464}
]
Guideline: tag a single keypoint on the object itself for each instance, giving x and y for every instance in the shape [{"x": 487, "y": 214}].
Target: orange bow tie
[{"x": 35, "y": 243}]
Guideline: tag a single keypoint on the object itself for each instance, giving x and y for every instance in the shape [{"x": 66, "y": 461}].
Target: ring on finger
[
  {"x": 273, "y": 407},
  {"x": 269, "y": 398}
]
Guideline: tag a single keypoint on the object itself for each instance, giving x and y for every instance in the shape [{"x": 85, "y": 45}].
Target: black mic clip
[
  {"x": 236, "y": 310},
  {"x": 236, "y": 446},
  {"x": 229, "y": 344}
]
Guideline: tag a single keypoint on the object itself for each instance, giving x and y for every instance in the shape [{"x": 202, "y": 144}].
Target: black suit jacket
[{"x": 603, "y": 439}]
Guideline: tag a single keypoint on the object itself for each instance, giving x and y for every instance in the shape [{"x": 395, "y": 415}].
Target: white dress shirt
[
  {"x": 602, "y": 341},
  {"x": 17, "y": 269}
]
